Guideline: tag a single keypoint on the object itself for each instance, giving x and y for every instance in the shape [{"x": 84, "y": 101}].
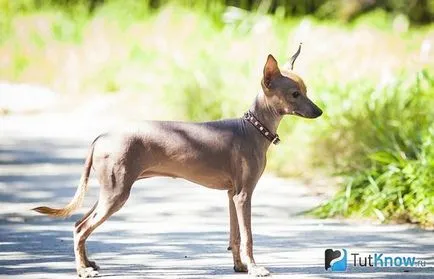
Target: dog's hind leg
[
  {"x": 85, "y": 216},
  {"x": 79, "y": 223},
  {"x": 102, "y": 212},
  {"x": 114, "y": 192}
]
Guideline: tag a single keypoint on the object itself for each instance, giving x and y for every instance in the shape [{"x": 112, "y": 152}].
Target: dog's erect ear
[{"x": 271, "y": 70}]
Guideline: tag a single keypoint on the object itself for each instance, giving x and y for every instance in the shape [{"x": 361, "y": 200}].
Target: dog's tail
[{"x": 76, "y": 202}]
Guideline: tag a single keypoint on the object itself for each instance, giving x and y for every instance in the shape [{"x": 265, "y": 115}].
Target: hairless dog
[{"x": 226, "y": 155}]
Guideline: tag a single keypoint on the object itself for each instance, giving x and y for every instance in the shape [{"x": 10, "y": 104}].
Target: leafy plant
[{"x": 389, "y": 167}]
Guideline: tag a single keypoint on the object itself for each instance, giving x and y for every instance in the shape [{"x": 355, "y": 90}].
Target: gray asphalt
[{"x": 169, "y": 228}]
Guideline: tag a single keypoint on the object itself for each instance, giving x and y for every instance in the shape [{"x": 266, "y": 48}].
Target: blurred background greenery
[{"x": 368, "y": 63}]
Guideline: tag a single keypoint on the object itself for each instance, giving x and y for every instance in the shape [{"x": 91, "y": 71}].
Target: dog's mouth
[{"x": 297, "y": 113}]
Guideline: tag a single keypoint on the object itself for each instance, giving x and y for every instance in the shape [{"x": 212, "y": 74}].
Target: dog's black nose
[
  {"x": 312, "y": 110},
  {"x": 316, "y": 112}
]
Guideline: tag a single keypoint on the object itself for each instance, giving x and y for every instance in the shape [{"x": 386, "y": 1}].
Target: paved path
[{"x": 169, "y": 228}]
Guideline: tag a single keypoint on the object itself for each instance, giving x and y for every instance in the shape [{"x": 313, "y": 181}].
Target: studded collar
[{"x": 251, "y": 118}]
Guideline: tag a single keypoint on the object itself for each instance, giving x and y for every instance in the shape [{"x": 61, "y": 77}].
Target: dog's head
[{"x": 286, "y": 91}]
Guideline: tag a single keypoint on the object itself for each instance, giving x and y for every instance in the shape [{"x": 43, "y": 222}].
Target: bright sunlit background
[{"x": 368, "y": 64}]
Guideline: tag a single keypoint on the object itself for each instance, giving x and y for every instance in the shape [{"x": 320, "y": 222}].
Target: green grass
[
  {"x": 384, "y": 148},
  {"x": 370, "y": 77}
]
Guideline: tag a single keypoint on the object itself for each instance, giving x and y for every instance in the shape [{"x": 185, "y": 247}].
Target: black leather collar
[{"x": 251, "y": 118}]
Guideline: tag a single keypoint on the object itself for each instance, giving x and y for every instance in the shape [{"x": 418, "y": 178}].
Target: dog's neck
[{"x": 265, "y": 113}]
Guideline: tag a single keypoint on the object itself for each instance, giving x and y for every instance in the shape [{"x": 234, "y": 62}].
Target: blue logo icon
[{"x": 336, "y": 260}]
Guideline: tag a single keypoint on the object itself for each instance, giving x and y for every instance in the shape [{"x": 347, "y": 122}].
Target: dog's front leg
[
  {"x": 242, "y": 202},
  {"x": 234, "y": 240}
]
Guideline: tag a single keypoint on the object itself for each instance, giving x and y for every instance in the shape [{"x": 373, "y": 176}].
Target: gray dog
[{"x": 226, "y": 155}]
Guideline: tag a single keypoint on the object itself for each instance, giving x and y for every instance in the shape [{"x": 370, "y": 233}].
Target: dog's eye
[{"x": 295, "y": 94}]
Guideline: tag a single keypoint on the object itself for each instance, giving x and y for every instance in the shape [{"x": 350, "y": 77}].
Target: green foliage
[
  {"x": 386, "y": 152},
  {"x": 68, "y": 27},
  {"x": 20, "y": 63},
  {"x": 67, "y": 22},
  {"x": 418, "y": 11}
]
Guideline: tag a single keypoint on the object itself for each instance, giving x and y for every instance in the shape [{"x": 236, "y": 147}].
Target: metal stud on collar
[{"x": 251, "y": 118}]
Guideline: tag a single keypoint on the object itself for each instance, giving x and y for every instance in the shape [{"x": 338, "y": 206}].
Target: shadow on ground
[{"x": 168, "y": 228}]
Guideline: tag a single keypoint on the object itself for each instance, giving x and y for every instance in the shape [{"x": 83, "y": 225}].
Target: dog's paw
[
  {"x": 258, "y": 271},
  {"x": 93, "y": 265},
  {"x": 240, "y": 267},
  {"x": 87, "y": 272}
]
